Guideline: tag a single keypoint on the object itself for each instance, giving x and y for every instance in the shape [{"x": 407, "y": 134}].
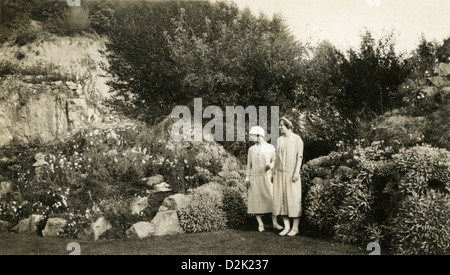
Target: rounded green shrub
[
  {"x": 235, "y": 207},
  {"x": 204, "y": 212},
  {"x": 422, "y": 168},
  {"x": 422, "y": 225}
]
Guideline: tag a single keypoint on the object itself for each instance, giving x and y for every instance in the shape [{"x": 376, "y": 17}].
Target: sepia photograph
[{"x": 235, "y": 129}]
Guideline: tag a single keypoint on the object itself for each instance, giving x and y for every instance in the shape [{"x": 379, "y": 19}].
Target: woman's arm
[
  {"x": 249, "y": 165},
  {"x": 298, "y": 160}
]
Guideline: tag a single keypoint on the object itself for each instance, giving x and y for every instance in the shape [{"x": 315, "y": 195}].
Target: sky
[{"x": 342, "y": 21}]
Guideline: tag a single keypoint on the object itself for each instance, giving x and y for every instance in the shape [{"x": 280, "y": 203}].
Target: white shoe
[
  {"x": 284, "y": 232},
  {"x": 277, "y": 227},
  {"x": 293, "y": 232},
  {"x": 261, "y": 228}
]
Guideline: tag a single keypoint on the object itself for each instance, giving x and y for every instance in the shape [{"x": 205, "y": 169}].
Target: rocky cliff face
[
  {"x": 58, "y": 86},
  {"x": 41, "y": 113}
]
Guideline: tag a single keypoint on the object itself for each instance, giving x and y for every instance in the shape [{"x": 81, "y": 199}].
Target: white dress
[
  {"x": 260, "y": 190},
  {"x": 287, "y": 195}
]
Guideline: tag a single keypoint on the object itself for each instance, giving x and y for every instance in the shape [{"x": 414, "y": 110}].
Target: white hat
[{"x": 257, "y": 130}]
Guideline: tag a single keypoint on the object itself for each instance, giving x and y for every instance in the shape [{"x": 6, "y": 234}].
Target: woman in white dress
[
  {"x": 259, "y": 164},
  {"x": 287, "y": 187}
]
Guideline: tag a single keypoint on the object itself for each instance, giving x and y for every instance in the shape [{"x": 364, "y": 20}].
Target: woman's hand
[{"x": 295, "y": 177}]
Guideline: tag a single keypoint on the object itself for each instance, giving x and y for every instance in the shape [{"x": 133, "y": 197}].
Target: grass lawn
[{"x": 243, "y": 241}]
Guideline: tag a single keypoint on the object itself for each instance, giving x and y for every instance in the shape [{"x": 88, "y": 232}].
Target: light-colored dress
[
  {"x": 287, "y": 195},
  {"x": 260, "y": 189}
]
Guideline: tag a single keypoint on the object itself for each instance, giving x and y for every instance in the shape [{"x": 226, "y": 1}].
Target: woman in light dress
[
  {"x": 287, "y": 187},
  {"x": 260, "y": 161}
]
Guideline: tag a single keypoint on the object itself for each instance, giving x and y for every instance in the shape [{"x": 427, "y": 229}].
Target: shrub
[
  {"x": 116, "y": 211},
  {"x": 399, "y": 130},
  {"x": 422, "y": 168},
  {"x": 437, "y": 132},
  {"x": 101, "y": 20},
  {"x": 6, "y": 68},
  {"x": 73, "y": 20},
  {"x": 422, "y": 225},
  {"x": 26, "y": 37},
  {"x": 235, "y": 207},
  {"x": 204, "y": 212},
  {"x": 388, "y": 198},
  {"x": 354, "y": 212}
]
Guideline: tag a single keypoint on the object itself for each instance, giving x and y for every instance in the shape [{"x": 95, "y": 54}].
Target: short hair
[{"x": 287, "y": 122}]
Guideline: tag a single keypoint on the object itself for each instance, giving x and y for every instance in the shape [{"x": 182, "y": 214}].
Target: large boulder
[
  {"x": 140, "y": 230},
  {"x": 139, "y": 204},
  {"x": 443, "y": 69},
  {"x": 154, "y": 180},
  {"x": 175, "y": 202},
  {"x": 100, "y": 226},
  {"x": 28, "y": 225},
  {"x": 438, "y": 81},
  {"x": 6, "y": 187},
  {"x": 54, "y": 227},
  {"x": 164, "y": 223}
]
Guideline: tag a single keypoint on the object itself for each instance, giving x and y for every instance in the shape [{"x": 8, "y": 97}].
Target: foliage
[
  {"x": 323, "y": 83},
  {"x": 189, "y": 43},
  {"x": 14, "y": 19},
  {"x": 98, "y": 172},
  {"x": 204, "y": 212},
  {"x": 102, "y": 17},
  {"x": 73, "y": 20},
  {"x": 421, "y": 225},
  {"x": 6, "y": 68},
  {"x": 116, "y": 210},
  {"x": 372, "y": 75},
  {"x": 235, "y": 207},
  {"x": 395, "y": 129},
  {"x": 386, "y": 200},
  {"x": 422, "y": 168},
  {"x": 437, "y": 132}
]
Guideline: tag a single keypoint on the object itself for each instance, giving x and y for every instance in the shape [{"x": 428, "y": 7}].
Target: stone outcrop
[
  {"x": 100, "y": 226},
  {"x": 139, "y": 204},
  {"x": 153, "y": 180},
  {"x": 164, "y": 223},
  {"x": 42, "y": 112},
  {"x": 175, "y": 202},
  {"x": 6, "y": 187},
  {"x": 29, "y": 225},
  {"x": 54, "y": 227},
  {"x": 140, "y": 230}
]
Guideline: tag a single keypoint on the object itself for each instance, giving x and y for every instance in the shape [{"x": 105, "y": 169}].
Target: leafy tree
[
  {"x": 421, "y": 63},
  {"x": 323, "y": 84},
  {"x": 199, "y": 49},
  {"x": 373, "y": 74}
]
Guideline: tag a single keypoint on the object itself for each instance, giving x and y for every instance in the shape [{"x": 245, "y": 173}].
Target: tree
[
  {"x": 373, "y": 74},
  {"x": 215, "y": 51},
  {"x": 323, "y": 85}
]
